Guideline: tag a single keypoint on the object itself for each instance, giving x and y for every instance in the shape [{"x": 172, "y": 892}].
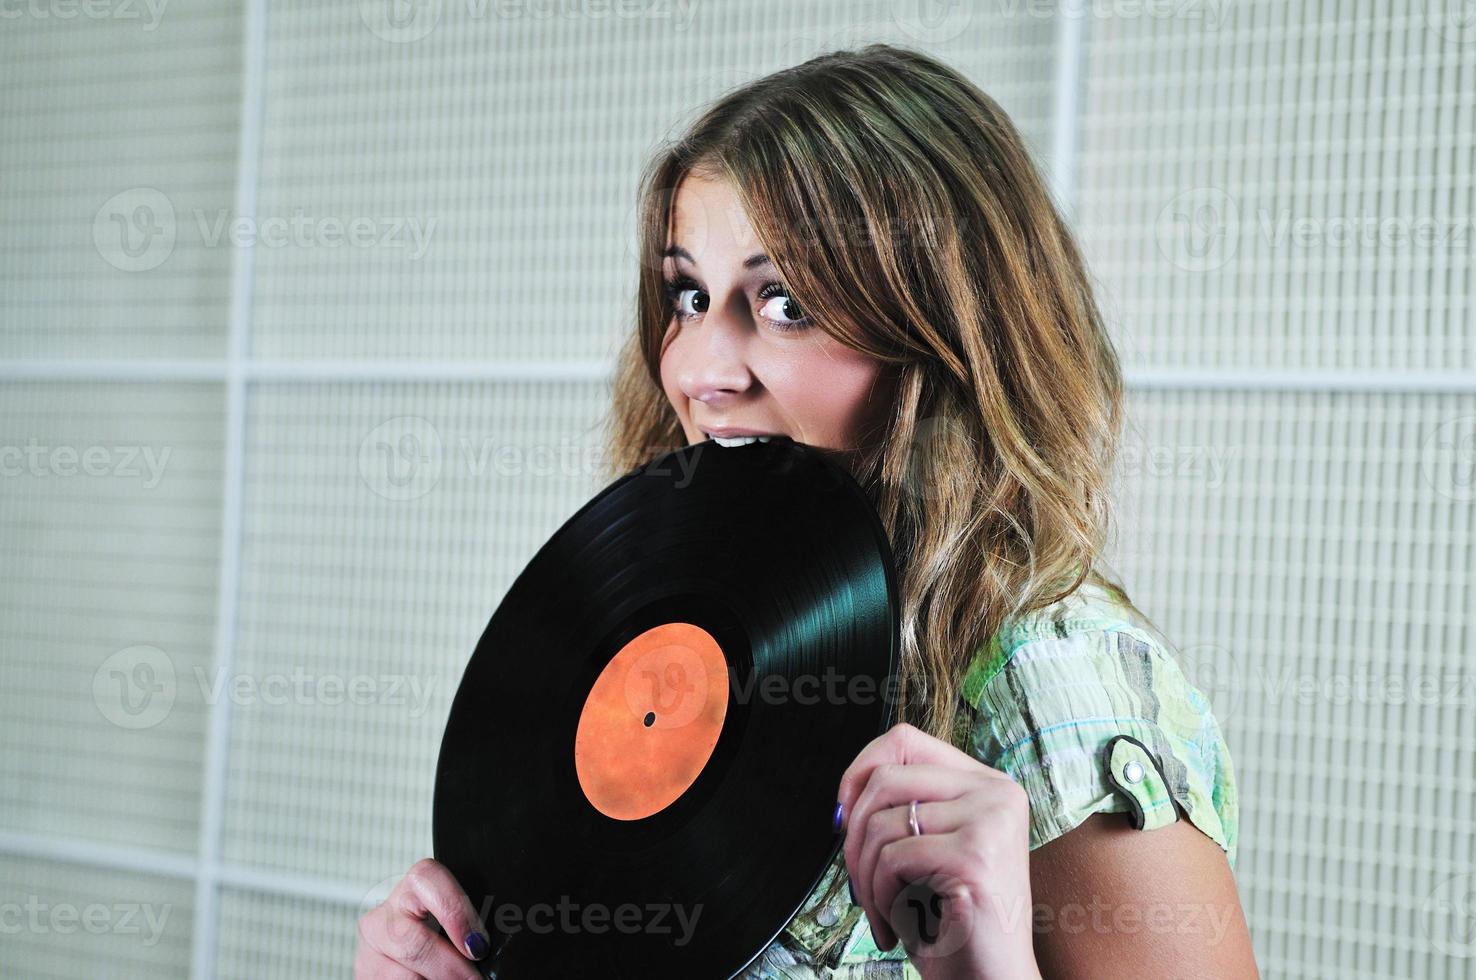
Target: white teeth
[{"x": 740, "y": 440}]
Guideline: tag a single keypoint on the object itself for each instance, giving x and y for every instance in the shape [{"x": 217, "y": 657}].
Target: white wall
[{"x": 1298, "y": 492}]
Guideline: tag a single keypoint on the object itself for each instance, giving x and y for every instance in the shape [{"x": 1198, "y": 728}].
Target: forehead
[{"x": 707, "y": 215}]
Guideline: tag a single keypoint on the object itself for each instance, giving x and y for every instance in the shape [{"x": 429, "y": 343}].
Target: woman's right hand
[{"x": 397, "y": 940}]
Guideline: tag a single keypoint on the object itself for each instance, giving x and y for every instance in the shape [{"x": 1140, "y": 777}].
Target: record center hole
[{"x": 650, "y": 718}]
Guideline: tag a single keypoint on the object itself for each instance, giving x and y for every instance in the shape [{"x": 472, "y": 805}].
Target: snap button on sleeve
[{"x": 1135, "y": 773}]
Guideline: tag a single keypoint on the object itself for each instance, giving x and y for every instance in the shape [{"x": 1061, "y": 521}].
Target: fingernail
[
  {"x": 476, "y": 945},
  {"x": 835, "y": 821},
  {"x": 851, "y": 887}
]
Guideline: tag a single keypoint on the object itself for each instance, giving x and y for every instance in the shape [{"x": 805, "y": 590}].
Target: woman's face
[{"x": 742, "y": 358}]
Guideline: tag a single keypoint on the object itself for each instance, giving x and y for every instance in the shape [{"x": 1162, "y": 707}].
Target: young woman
[{"x": 859, "y": 254}]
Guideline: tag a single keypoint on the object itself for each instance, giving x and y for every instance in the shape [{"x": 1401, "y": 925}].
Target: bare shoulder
[{"x": 1111, "y": 901}]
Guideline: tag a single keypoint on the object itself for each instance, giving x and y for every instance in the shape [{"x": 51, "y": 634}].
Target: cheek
[
  {"x": 670, "y": 384},
  {"x": 833, "y": 413},
  {"x": 668, "y": 367}
]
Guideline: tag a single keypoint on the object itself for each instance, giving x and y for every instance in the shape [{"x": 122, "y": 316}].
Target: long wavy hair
[{"x": 901, "y": 208}]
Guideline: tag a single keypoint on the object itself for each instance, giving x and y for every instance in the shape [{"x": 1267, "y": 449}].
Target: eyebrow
[{"x": 752, "y": 262}]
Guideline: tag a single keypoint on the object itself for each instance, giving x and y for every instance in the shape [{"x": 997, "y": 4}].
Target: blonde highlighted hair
[{"x": 903, "y": 211}]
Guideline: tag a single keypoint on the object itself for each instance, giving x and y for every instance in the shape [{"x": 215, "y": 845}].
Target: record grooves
[{"x": 639, "y": 770}]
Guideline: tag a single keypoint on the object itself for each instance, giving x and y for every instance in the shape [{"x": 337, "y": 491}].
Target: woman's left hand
[{"x": 958, "y": 894}]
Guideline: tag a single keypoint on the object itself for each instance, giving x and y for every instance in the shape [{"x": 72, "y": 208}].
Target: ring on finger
[{"x": 912, "y": 823}]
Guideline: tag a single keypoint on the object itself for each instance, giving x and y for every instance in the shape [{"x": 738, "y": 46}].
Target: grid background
[{"x": 366, "y": 443}]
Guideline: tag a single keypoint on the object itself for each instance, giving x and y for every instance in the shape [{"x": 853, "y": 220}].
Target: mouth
[{"x": 737, "y": 437}]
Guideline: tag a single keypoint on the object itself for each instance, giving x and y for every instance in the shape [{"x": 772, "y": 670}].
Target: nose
[{"x": 713, "y": 368}]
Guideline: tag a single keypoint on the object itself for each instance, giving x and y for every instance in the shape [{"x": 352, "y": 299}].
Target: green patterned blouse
[{"x": 1048, "y": 700}]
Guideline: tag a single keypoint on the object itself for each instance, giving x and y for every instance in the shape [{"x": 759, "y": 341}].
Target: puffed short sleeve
[{"x": 1093, "y": 718}]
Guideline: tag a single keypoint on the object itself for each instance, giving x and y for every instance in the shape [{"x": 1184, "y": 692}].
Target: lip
[{"x": 732, "y": 432}]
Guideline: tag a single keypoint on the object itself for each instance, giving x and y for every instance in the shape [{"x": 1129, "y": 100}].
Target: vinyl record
[{"x": 639, "y": 771}]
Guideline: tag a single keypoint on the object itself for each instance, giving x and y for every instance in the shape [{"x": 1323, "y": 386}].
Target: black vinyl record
[{"x": 671, "y": 825}]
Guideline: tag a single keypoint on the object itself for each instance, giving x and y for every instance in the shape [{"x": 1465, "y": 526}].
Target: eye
[
  {"x": 780, "y": 309},
  {"x": 677, "y": 291}
]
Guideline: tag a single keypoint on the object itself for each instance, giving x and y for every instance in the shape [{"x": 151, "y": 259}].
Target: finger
[
  {"x": 900, "y": 745},
  {"x": 429, "y": 888},
  {"x": 920, "y": 861},
  {"x": 880, "y": 829},
  {"x": 371, "y": 964},
  {"x": 892, "y": 824},
  {"x": 893, "y": 784},
  {"x": 414, "y": 945}
]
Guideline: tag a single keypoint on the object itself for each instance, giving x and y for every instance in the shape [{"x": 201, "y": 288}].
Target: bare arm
[{"x": 1114, "y": 902}]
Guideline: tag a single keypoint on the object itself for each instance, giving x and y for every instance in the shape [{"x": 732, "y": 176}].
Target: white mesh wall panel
[
  {"x": 120, "y": 141},
  {"x": 110, "y": 525},
  {"x": 64, "y": 921},
  {"x": 1283, "y": 184},
  {"x": 385, "y": 523},
  {"x": 1280, "y": 196},
  {"x": 1312, "y": 554},
  {"x": 225, "y": 689},
  {"x": 269, "y": 935},
  {"x": 491, "y": 161}
]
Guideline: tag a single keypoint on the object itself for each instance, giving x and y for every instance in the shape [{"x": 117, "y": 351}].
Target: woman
[{"x": 859, "y": 254}]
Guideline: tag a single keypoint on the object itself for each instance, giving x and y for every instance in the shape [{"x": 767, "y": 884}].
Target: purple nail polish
[
  {"x": 476, "y": 945},
  {"x": 835, "y": 821},
  {"x": 851, "y": 887}
]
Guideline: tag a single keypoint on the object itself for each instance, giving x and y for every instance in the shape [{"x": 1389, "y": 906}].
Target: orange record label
[{"x": 651, "y": 721}]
